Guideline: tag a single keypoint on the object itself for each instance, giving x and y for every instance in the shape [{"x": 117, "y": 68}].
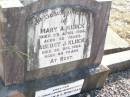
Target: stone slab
[
  {"x": 15, "y": 21},
  {"x": 114, "y": 41},
  {"x": 117, "y": 61},
  {"x": 93, "y": 78}
]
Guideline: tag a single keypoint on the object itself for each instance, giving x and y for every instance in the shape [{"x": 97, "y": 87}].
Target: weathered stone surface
[
  {"x": 94, "y": 78},
  {"x": 14, "y": 32},
  {"x": 117, "y": 61},
  {"x": 114, "y": 41}
]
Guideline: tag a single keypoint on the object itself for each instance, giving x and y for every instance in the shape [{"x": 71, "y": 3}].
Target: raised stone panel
[
  {"x": 77, "y": 26},
  {"x": 59, "y": 35}
]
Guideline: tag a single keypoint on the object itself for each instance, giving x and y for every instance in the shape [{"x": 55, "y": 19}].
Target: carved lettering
[{"x": 59, "y": 36}]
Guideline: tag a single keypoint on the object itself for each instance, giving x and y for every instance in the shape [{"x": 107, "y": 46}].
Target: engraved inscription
[
  {"x": 62, "y": 90},
  {"x": 59, "y": 35}
]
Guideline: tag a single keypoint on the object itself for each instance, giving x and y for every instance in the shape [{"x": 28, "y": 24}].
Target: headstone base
[
  {"x": 92, "y": 78},
  {"x": 96, "y": 78}
]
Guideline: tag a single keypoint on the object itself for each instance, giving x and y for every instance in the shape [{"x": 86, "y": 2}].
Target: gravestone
[{"x": 53, "y": 47}]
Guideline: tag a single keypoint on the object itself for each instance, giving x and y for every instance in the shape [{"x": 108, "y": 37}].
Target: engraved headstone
[{"x": 53, "y": 45}]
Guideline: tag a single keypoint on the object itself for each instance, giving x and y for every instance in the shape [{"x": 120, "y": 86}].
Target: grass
[{"x": 120, "y": 18}]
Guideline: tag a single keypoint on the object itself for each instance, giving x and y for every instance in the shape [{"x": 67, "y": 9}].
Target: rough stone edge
[
  {"x": 115, "y": 50},
  {"x": 119, "y": 66}
]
